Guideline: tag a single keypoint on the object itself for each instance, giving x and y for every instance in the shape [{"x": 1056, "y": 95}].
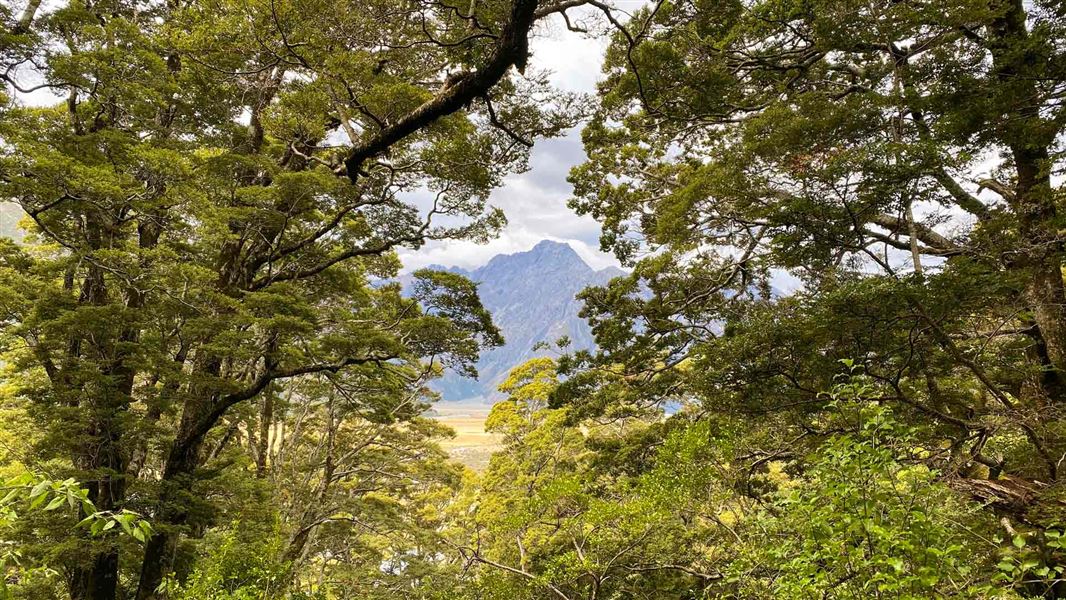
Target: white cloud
[
  {"x": 573, "y": 59},
  {"x": 784, "y": 282}
]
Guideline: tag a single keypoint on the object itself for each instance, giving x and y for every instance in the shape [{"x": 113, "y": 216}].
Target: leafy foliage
[
  {"x": 202, "y": 339},
  {"x": 33, "y": 493}
]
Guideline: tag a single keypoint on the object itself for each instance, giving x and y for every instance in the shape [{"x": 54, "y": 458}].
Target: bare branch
[
  {"x": 923, "y": 232},
  {"x": 503, "y": 126},
  {"x": 991, "y": 184}
]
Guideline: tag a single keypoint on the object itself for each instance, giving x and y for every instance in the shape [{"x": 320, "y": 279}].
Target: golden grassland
[{"x": 472, "y": 445}]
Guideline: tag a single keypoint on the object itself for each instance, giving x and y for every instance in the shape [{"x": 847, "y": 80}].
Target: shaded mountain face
[{"x": 531, "y": 296}]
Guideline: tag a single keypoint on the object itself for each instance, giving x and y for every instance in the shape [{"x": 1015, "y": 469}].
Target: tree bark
[
  {"x": 1016, "y": 63},
  {"x": 512, "y": 49},
  {"x": 266, "y": 420},
  {"x": 177, "y": 482}
]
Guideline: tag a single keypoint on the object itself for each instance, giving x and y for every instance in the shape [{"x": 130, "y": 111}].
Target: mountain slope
[{"x": 531, "y": 296}]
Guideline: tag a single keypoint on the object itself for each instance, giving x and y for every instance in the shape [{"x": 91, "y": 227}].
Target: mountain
[{"x": 531, "y": 296}]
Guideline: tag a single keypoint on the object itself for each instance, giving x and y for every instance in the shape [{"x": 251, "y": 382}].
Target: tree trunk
[
  {"x": 159, "y": 551},
  {"x": 98, "y": 580},
  {"x": 266, "y": 421},
  {"x": 1044, "y": 292},
  {"x": 101, "y": 456},
  {"x": 1017, "y": 64}
]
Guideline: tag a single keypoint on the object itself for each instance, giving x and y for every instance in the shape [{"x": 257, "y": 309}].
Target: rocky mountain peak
[{"x": 532, "y": 298}]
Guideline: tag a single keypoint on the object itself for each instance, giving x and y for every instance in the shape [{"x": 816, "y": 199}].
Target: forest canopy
[{"x": 215, "y": 386}]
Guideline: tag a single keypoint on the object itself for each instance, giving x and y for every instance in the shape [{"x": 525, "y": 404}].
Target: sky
[{"x": 535, "y": 201}]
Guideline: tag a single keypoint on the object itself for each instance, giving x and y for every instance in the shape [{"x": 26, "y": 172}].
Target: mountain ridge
[{"x": 532, "y": 298}]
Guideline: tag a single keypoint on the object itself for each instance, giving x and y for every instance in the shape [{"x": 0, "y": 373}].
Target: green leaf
[
  {"x": 38, "y": 501},
  {"x": 40, "y": 488},
  {"x": 55, "y": 503},
  {"x": 1028, "y": 565}
]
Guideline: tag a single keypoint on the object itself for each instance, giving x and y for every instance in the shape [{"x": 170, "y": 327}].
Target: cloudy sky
[{"x": 535, "y": 201}]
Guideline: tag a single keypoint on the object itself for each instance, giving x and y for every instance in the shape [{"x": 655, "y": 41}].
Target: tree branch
[
  {"x": 923, "y": 232},
  {"x": 475, "y": 556},
  {"x": 511, "y": 48},
  {"x": 266, "y": 280},
  {"x": 991, "y": 184},
  {"x": 269, "y": 375},
  {"x": 498, "y": 124}
]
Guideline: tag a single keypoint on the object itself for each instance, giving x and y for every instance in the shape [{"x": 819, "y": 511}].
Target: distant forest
[{"x": 213, "y": 385}]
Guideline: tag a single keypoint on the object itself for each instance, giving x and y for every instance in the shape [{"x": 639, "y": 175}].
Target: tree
[
  {"x": 360, "y": 482},
  {"x": 549, "y": 520},
  {"x": 212, "y": 201},
  {"x": 689, "y": 506},
  {"x": 202, "y": 329},
  {"x": 896, "y": 158},
  {"x": 863, "y": 518}
]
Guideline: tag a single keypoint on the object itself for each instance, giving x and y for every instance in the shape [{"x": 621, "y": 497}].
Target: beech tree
[
  {"x": 213, "y": 195},
  {"x": 899, "y": 160}
]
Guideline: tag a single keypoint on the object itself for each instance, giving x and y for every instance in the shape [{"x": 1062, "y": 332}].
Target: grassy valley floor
[{"x": 472, "y": 445}]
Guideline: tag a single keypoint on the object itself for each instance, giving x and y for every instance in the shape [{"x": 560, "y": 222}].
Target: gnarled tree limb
[{"x": 511, "y": 49}]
